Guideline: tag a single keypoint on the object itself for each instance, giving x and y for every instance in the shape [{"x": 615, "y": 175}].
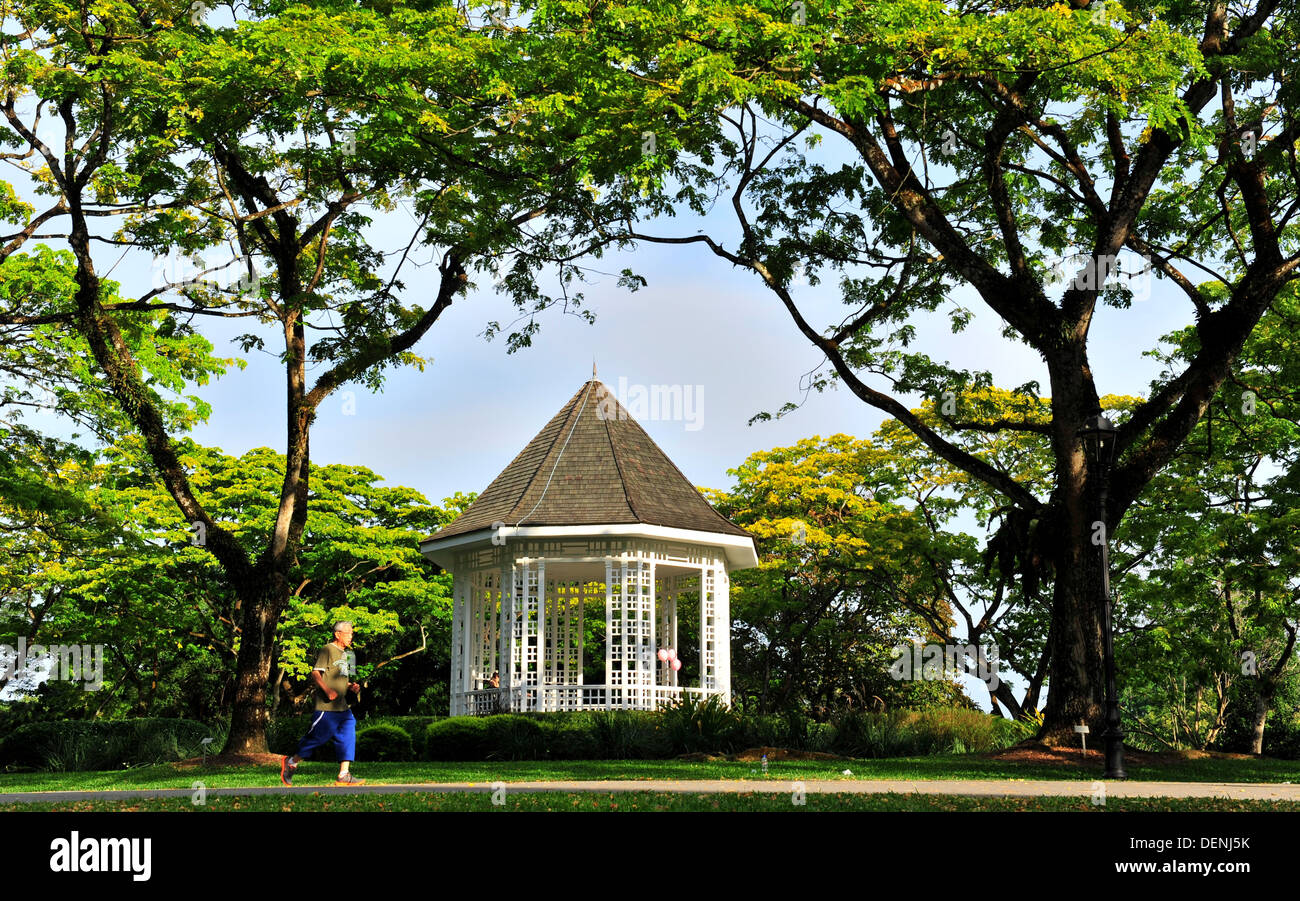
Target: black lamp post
[{"x": 1098, "y": 434}]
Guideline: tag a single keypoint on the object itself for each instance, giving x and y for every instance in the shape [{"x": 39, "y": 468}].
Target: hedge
[
  {"x": 67, "y": 745},
  {"x": 384, "y": 743}
]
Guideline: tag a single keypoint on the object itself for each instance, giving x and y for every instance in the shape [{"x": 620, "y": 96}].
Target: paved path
[{"x": 970, "y": 788}]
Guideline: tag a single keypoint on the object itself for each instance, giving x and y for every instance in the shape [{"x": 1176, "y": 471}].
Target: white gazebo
[{"x": 591, "y": 509}]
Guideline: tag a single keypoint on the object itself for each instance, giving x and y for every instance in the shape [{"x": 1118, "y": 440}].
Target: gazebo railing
[{"x": 550, "y": 698}]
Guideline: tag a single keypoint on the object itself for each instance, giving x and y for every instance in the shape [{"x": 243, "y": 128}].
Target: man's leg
[
  {"x": 345, "y": 741},
  {"x": 323, "y": 728},
  {"x": 321, "y": 732}
]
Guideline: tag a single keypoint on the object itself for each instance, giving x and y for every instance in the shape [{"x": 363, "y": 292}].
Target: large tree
[
  {"x": 283, "y": 135},
  {"x": 1019, "y": 155}
]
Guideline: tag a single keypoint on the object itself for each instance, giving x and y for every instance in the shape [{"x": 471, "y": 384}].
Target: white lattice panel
[
  {"x": 510, "y": 653},
  {"x": 722, "y": 634},
  {"x": 564, "y": 620},
  {"x": 643, "y": 615},
  {"x": 615, "y": 658},
  {"x": 525, "y": 619},
  {"x": 708, "y": 629},
  {"x": 459, "y": 631}
]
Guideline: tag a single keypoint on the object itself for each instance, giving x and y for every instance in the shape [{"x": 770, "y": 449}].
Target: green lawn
[
  {"x": 655, "y": 801},
  {"x": 952, "y": 766}
]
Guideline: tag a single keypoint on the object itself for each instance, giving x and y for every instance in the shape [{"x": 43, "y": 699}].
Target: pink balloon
[
  {"x": 677, "y": 664},
  {"x": 672, "y": 653},
  {"x": 663, "y": 655}
]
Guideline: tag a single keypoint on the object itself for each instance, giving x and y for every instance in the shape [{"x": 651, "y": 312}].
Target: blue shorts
[{"x": 338, "y": 726}]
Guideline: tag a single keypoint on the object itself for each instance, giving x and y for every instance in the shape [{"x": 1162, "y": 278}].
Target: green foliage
[
  {"x": 287, "y": 134},
  {"x": 457, "y": 738},
  {"x": 709, "y": 728},
  {"x": 100, "y": 745},
  {"x": 104, "y": 551},
  {"x": 902, "y": 733},
  {"x": 515, "y": 737},
  {"x": 570, "y": 736},
  {"x": 1023, "y": 728},
  {"x": 692, "y": 724},
  {"x": 918, "y": 154},
  {"x": 1211, "y": 559},
  {"x": 384, "y": 743},
  {"x": 412, "y": 725},
  {"x": 630, "y": 734},
  {"x": 855, "y": 560}
]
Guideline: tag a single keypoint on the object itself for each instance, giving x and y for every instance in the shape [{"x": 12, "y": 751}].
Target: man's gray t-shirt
[{"x": 335, "y": 666}]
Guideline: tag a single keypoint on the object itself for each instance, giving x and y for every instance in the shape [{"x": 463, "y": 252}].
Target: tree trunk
[
  {"x": 1077, "y": 680},
  {"x": 1076, "y": 688},
  {"x": 1003, "y": 697},
  {"x": 249, "y": 713},
  {"x": 1263, "y": 701}
]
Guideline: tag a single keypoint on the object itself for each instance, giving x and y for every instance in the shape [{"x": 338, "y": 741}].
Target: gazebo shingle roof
[{"x": 592, "y": 464}]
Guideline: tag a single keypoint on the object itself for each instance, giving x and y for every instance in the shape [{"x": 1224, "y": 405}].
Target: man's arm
[{"x": 320, "y": 683}]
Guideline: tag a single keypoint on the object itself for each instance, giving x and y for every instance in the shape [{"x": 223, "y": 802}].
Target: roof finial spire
[{"x": 593, "y": 369}]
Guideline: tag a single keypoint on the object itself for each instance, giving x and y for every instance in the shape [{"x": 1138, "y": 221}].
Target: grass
[
  {"x": 655, "y": 801},
  {"x": 948, "y": 766}
]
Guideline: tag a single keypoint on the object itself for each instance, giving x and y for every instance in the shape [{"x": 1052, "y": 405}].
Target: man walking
[{"x": 333, "y": 720}]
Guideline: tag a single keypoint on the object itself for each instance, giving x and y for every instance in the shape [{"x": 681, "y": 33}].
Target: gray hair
[{"x": 343, "y": 626}]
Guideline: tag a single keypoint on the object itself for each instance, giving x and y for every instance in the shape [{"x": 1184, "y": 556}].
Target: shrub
[
  {"x": 708, "y": 725},
  {"x": 457, "y": 738},
  {"x": 71, "y": 745},
  {"x": 820, "y": 737},
  {"x": 906, "y": 733},
  {"x": 511, "y": 736},
  {"x": 1011, "y": 732},
  {"x": 384, "y": 742},
  {"x": 570, "y": 736},
  {"x": 411, "y": 725},
  {"x": 1281, "y": 742},
  {"x": 763, "y": 731},
  {"x": 630, "y": 735}
]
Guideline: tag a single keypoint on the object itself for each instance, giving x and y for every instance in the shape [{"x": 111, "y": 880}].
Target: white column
[
  {"x": 722, "y": 631},
  {"x": 644, "y": 612},
  {"x": 459, "y": 631},
  {"x": 528, "y": 618},
  {"x": 708, "y": 625},
  {"x": 492, "y": 595},
  {"x": 508, "y": 634},
  {"x": 537, "y": 588},
  {"x": 613, "y": 631}
]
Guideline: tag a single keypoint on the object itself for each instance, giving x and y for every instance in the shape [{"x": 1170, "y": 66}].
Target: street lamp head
[{"x": 1099, "y": 434}]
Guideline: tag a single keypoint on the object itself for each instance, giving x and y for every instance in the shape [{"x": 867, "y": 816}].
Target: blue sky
[{"x": 699, "y": 323}]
